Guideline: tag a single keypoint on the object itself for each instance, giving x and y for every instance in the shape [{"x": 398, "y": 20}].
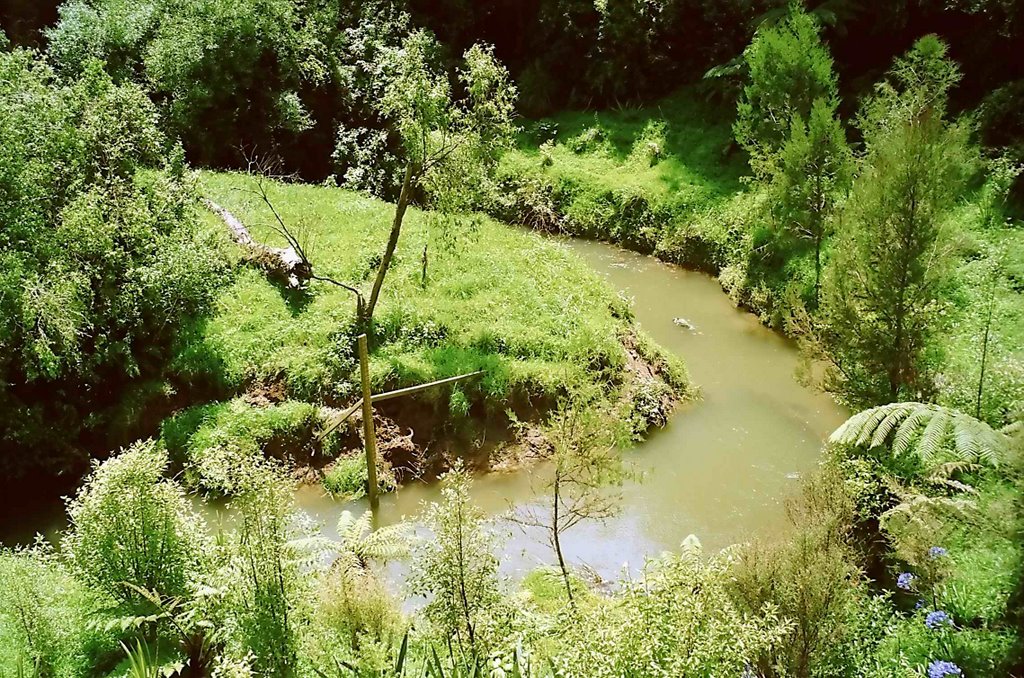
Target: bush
[
  {"x": 244, "y": 73},
  {"x": 102, "y": 256},
  {"x": 680, "y": 620},
  {"x": 356, "y": 622},
  {"x": 269, "y": 592},
  {"x": 814, "y": 581},
  {"x": 131, "y": 526},
  {"x": 47, "y": 619}
]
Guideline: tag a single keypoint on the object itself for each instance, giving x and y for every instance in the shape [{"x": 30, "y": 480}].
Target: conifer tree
[{"x": 880, "y": 292}]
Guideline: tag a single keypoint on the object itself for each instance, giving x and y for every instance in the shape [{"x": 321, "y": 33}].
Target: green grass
[
  {"x": 988, "y": 268},
  {"x": 504, "y": 300},
  {"x": 674, "y": 150},
  {"x": 633, "y": 176},
  {"x": 213, "y": 442}
]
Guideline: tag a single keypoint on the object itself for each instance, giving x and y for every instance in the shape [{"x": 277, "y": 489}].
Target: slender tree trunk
[
  {"x": 817, "y": 270},
  {"x": 423, "y": 281},
  {"x": 557, "y": 541},
  {"x": 984, "y": 349},
  {"x": 389, "y": 252}
]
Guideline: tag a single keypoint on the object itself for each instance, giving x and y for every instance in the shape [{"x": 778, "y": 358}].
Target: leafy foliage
[
  {"x": 930, "y": 432},
  {"x": 131, "y": 528},
  {"x": 237, "y": 73},
  {"x": 678, "y": 621},
  {"x": 46, "y": 618},
  {"x": 789, "y": 70},
  {"x": 458, "y": 571},
  {"x": 102, "y": 257},
  {"x": 881, "y": 294},
  {"x": 268, "y": 594}
]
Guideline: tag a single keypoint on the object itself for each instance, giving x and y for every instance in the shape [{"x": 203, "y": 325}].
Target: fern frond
[
  {"x": 358, "y": 539},
  {"x": 904, "y": 438},
  {"x": 886, "y": 426},
  {"x": 929, "y": 431},
  {"x": 933, "y": 435}
]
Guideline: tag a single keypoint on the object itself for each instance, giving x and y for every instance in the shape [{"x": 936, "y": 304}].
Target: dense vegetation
[{"x": 863, "y": 203}]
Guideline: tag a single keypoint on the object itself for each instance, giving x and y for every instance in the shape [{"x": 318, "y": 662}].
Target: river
[{"x": 721, "y": 469}]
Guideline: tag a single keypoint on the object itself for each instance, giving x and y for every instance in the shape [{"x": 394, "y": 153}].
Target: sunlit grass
[{"x": 510, "y": 302}]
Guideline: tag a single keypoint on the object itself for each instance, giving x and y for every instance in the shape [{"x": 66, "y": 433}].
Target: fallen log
[{"x": 283, "y": 262}]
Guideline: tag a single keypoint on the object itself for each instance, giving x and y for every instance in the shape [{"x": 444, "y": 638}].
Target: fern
[
  {"x": 358, "y": 542},
  {"x": 931, "y": 432}
]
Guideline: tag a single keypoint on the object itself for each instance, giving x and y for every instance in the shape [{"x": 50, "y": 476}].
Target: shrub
[
  {"x": 346, "y": 477},
  {"x": 47, "y": 619},
  {"x": 458, "y": 572},
  {"x": 268, "y": 589},
  {"x": 102, "y": 256},
  {"x": 813, "y": 579},
  {"x": 678, "y": 621},
  {"x": 356, "y": 622},
  {"x": 131, "y": 526}
]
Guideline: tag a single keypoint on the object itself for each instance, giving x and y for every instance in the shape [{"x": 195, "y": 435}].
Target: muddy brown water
[{"x": 721, "y": 469}]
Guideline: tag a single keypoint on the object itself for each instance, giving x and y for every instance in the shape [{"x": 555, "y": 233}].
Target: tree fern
[
  {"x": 929, "y": 431},
  {"x": 356, "y": 539}
]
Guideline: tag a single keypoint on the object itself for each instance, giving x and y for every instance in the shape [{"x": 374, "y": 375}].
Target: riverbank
[
  {"x": 667, "y": 179},
  {"x": 507, "y": 302}
]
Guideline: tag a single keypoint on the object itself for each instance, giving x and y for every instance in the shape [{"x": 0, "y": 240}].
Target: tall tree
[
  {"x": 880, "y": 291},
  {"x": 815, "y": 168},
  {"x": 450, "y": 147},
  {"x": 789, "y": 70}
]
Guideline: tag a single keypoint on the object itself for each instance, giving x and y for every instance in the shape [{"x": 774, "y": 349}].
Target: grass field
[{"x": 504, "y": 300}]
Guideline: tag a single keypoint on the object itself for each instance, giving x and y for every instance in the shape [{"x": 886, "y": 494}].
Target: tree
[
  {"x": 450, "y": 148},
  {"x": 585, "y": 466},
  {"x": 815, "y": 168},
  {"x": 458, "y": 572},
  {"x": 880, "y": 291},
  {"x": 789, "y": 70}
]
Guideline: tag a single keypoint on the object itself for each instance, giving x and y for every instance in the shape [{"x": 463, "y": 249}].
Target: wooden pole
[
  {"x": 339, "y": 418},
  {"x": 369, "y": 435}
]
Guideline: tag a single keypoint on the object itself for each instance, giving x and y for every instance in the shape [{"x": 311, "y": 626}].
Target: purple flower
[
  {"x": 937, "y": 552},
  {"x": 919, "y": 604},
  {"x": 937, "y": 619},
  {"x": 905, "y": 581},
  {"x": 940, "y": 668}
]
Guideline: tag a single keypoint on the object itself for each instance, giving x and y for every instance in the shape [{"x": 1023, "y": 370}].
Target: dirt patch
[{"x": 264, "y": 393}]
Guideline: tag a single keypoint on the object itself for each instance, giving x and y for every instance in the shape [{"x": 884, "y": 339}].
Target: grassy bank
[
  {"x": 667, "y": 179},
  {"x": 521, "y": 308},
  {"x": 636, "y": 176}
]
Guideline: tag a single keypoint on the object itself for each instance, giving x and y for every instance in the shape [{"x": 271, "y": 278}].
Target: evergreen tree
[
  {"x": 790, "y": 69},
  {"x": 815, "y": 168},
  {"x": 880, "y": 292}
]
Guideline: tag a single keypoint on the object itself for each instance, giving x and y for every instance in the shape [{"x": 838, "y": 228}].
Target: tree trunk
[
  {"x": 984, "y": 349},
  {"x": 282, "y": 262},
  {"x": 817, "y": 271},
  {"x": 556, "y": 539},
  {"x": 389, "y": 252}
]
